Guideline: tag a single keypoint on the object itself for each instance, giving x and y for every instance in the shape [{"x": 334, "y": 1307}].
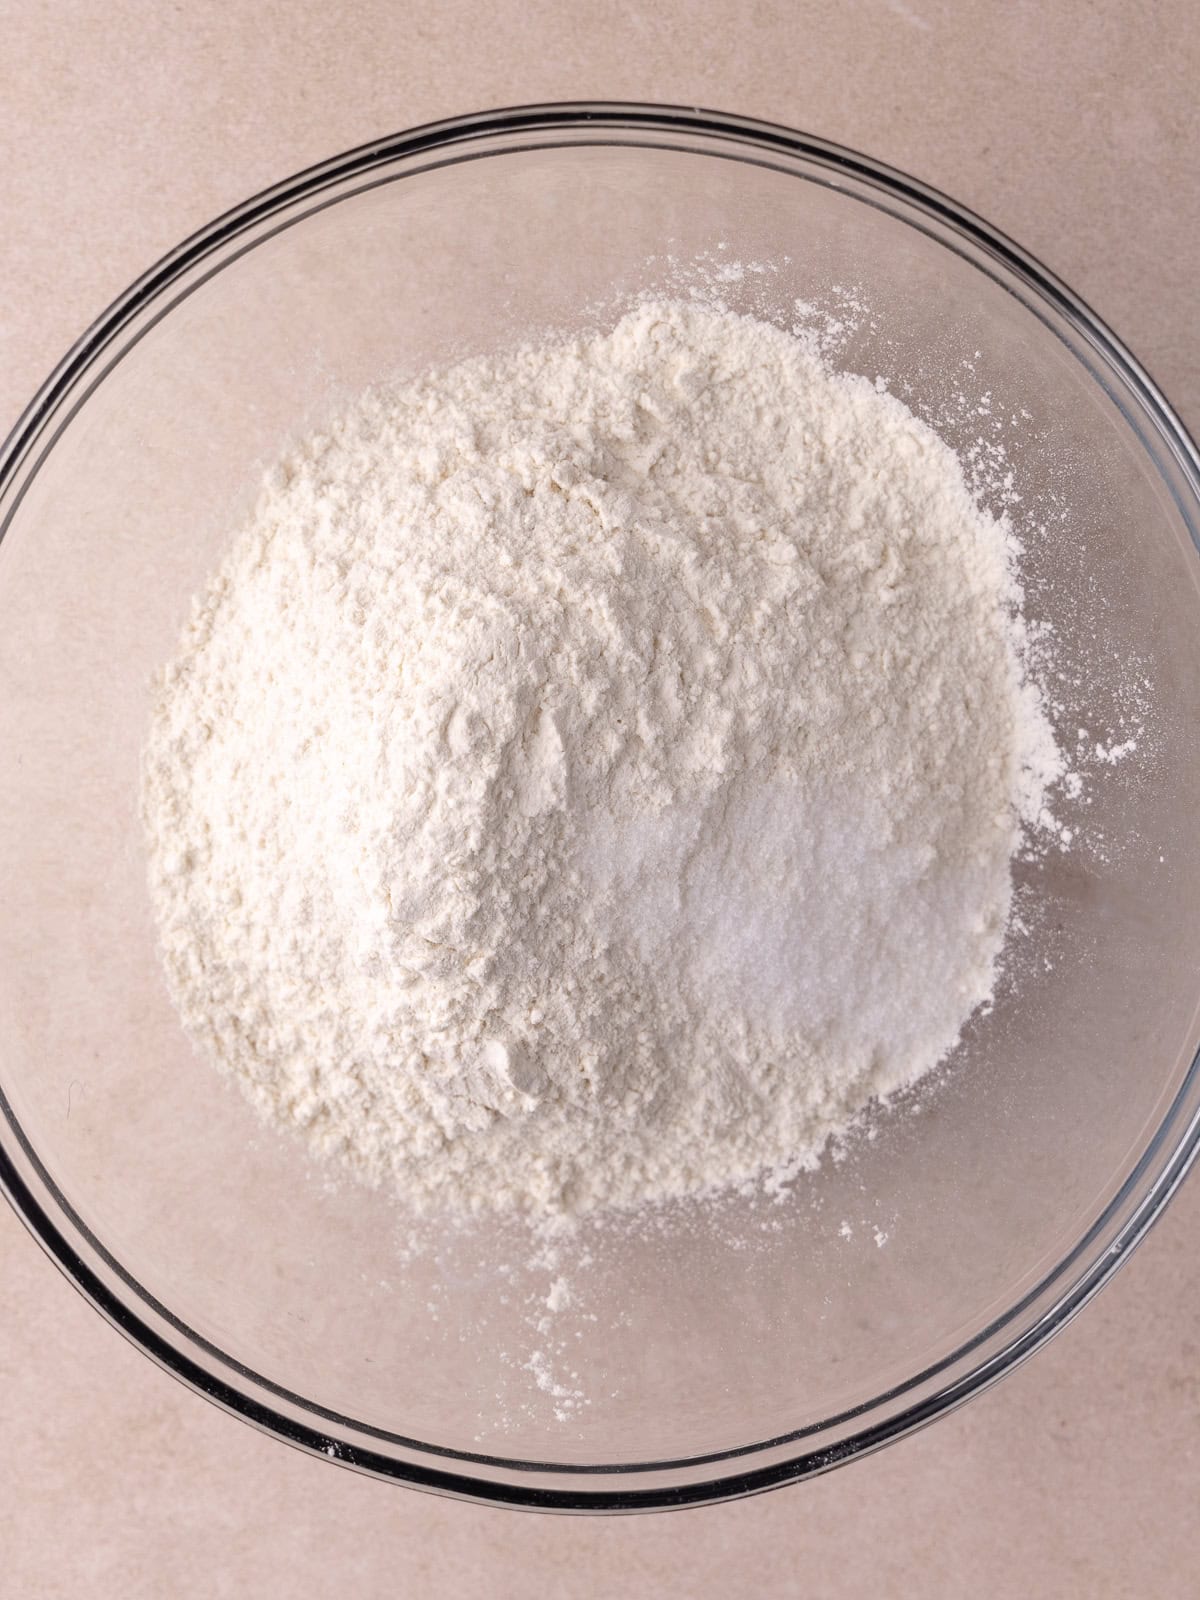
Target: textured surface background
[{"x": 1072, "y": 126}]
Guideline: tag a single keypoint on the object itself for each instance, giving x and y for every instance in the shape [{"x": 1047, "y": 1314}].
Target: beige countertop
[{"x": 1072, "y": 126}]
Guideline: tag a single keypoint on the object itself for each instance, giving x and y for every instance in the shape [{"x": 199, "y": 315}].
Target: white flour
[{"x": 594, "y": 773}]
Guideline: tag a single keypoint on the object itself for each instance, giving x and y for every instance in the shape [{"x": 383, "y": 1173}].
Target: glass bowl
[{"x": 717, "y": 1353}]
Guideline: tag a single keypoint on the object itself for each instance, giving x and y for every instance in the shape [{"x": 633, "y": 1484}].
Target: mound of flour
[{"x": 594, "y": 772}]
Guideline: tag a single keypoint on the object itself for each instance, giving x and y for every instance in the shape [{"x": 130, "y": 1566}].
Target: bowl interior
[{"x": 707, "y": 1332}]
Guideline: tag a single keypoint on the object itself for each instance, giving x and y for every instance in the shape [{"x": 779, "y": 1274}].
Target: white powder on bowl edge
[{"x": 593, "y": 775}]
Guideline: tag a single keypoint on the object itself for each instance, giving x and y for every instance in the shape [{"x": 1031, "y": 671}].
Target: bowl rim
[{"x": 1060, "y": 1293}]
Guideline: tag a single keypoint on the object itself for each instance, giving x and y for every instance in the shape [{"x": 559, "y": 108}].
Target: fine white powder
[{"x": 595, "y": 771}]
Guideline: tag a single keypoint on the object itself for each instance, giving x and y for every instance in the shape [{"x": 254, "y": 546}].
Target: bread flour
[{"x": 594, "y": 773}]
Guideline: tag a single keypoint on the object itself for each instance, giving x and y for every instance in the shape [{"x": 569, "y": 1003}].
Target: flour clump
[{"x": 595, "y": 771}]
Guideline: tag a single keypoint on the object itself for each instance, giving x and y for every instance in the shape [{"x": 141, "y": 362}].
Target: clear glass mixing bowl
[{"x": 698, "y": 1361}]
